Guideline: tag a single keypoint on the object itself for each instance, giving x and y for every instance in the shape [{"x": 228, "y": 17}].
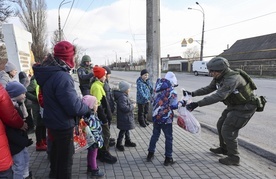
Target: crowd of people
[{"x": 49, "y": 104}]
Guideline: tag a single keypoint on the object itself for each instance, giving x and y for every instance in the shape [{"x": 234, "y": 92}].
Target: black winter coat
[{"x": 125, "y": 115}]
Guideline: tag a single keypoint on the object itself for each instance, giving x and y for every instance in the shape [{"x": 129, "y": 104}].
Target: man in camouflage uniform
[
  {"x": 85, "y": 74},
  {"x": 237, "y": 92}
]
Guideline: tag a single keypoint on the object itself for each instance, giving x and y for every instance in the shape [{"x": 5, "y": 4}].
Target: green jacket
[{"x": 231, "y": 88}]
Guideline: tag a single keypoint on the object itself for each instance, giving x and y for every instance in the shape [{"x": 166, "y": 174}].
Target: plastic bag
[
  {"x": 83, "y": 137},
  {"x": 186, "y": 119}
]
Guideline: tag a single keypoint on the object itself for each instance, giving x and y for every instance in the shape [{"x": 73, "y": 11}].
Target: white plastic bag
[{"x": 186, "y": 119}]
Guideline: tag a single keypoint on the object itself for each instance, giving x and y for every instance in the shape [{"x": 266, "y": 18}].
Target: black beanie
[
  {"x": 144, "y": 72},
  {"x": 108, "y": 71}
]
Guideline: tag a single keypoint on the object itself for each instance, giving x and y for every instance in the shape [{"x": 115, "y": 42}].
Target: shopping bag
[
  {"x": 83, "y": 137},
  {"x": 187, "y": 121}
]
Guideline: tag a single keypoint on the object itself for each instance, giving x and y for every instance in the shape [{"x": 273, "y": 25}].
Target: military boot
[
  {"x": 233, "y": 160},
  {"x": 219, "y": 150}
]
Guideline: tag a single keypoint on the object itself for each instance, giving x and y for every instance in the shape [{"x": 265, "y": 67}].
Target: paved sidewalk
[
  {"x": 193, "y": 160},
  {"x": 191, "y": 152}
]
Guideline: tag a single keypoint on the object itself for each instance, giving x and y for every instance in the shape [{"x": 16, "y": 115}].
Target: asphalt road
[{"x": 259, "y": 134}]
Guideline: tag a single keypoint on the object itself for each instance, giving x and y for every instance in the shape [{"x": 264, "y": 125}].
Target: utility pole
[
  {"x": 153, "y": 40},
  {"x": 153, "y": 44}
]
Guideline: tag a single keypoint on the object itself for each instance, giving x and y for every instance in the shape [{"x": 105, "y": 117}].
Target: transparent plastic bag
[{"x": 186, "y": 119}]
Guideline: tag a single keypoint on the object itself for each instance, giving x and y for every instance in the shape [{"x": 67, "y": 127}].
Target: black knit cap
[
  {"x": 108, "y": 71},
  {"x": 144, "y": 71}
]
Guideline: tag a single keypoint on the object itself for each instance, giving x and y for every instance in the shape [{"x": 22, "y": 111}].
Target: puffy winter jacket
[
  {"x": 125, "y": 115},
  {"x": 9, "y": 117},
  {"x": 165, "y": 101},
  {"x": 61, "y": 102},
  {"x": 144, "y": 91}
]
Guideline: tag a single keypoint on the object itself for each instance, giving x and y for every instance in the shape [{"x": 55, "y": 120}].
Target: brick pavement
[
  {"x": 193, "y": 160},
  {"x": 191, "y": 152}
]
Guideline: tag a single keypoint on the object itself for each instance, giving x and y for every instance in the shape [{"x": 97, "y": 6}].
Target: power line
[
  {"x": 68, "y": 14},
  {"x": 224, "y": 27},
  {"x": 241, "y": 21}
]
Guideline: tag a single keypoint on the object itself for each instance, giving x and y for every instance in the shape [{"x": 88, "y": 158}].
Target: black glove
[
  {"x": 187, "y": 92},
  {"x": 191, "y": 106},
  {"x": 30, "y": 142},
  {"x": 182, "y": 103}
]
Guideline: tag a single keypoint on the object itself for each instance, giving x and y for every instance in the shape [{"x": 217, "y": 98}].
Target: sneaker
[
  {"x": 147, "y": 123},
  {"x": 108, "y": 158},
  {"x": 150, "y": 156},
  {"x": 128, "y": 143},
  {"x": 30, "y": 176},
  {"x": 97, "y": 173},
  {"x": 112, "y": 139},
  {"x": 235, "y": 160},
  {"x": 219, "y": 150},
  {"x": 40, "y": 146},
  {"x": 168, "y": 161},
  {"x": 120, "y": 147}
]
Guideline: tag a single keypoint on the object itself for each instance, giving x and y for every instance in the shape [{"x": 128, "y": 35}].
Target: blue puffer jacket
[
  {"x": 144, "y": 91},
  {"x": 61, "y": 102},
  {"x": 165, "y": 101}
]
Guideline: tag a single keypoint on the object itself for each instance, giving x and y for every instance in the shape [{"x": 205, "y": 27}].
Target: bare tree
[
  {"x": 32, "y": 14},
  {"x": 191, "y": 53}
]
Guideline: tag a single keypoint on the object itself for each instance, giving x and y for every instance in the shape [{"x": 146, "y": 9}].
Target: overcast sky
[{"x": 102, "y": 27}]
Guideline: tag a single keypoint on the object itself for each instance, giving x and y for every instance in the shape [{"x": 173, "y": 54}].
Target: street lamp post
[
  {"x": 59, "y": 26},
  {"x": 131, "y": 52},
  {"x": 115, "y": 57},
  {"x": 203, "y": 24}
]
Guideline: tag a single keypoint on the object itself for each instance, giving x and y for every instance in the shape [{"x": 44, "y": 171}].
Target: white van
[{"x": 200, "y": 68}]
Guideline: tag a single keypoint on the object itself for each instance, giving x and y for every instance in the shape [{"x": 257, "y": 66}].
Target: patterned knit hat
[
  {"x": 15, "y": 89},
  {"x": 99, "y": 72},
  {"x": 65, "y": 51}
]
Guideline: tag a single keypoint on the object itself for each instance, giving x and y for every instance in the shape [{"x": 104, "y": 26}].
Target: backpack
[{"x": 260, "y": 101}]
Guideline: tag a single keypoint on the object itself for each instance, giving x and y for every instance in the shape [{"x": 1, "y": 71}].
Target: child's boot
[
  {"x": 40, "y": 146},
  {"x": 128, "y": 143},
  {"x": 119, "y": 146}
]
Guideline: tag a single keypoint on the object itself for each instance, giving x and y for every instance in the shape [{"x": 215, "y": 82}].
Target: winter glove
[
  {"x": 187, "y": 92},
  {"x": 191, "y": 106},
  {"x": 30, "y": 142},
  {"x": 182, "y": 103}
]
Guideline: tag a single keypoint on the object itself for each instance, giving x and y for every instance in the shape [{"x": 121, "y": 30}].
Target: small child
[
  {"x": 143, "y": 97},
  {"x": 125, "y": 116},
  {"x": 165, "y": 101},
  {"x": 96, "y": 129},
  {"x": 18, "y": 139}
]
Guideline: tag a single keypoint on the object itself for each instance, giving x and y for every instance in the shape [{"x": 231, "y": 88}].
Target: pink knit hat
[{"x": 89, "y": 100}]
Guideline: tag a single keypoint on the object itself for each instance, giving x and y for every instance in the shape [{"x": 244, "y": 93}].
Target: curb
[{"x": 249, "y": 146}]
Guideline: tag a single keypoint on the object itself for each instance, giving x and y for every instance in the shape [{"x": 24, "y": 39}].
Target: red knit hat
[
  {"x": 65, "y": 51},
  {"x": 99, "y": 72}
]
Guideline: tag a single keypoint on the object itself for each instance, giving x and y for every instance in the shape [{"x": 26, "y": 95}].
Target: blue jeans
[
  {"x": 21, "y": 164},
  {"x": 168, "y": 132}
]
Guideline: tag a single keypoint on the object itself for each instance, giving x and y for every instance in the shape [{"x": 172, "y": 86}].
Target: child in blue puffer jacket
[{"x": 143, "y": 97}]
